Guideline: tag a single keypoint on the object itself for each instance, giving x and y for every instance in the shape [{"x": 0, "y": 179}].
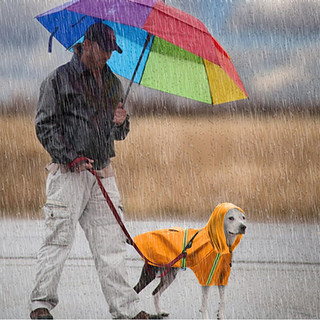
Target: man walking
[{"x": 78, "y": 118}]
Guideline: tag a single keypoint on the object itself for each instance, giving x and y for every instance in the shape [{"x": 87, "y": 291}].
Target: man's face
[{"x": 96, "y": 56}]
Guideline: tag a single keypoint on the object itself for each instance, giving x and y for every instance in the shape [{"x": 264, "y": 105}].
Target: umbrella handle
[{"x": 148, "y": 38}]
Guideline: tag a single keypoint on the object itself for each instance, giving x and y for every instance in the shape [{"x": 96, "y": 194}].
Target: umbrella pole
[{"x": 148, "y": 38}]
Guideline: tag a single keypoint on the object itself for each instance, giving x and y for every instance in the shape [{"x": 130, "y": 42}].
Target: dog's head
[
  {"x": 234, "y": 224},
  {"x": 226, "y": 227}
]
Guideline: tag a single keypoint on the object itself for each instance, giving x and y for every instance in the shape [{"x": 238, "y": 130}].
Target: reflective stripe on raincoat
[{"x": 209, "y": 257}]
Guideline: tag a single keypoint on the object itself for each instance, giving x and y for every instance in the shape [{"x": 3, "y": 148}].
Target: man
[{"x": 79, "y": 116}]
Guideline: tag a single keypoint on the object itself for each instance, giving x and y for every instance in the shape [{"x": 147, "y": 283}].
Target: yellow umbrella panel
[{"x": 174, "y": 70}]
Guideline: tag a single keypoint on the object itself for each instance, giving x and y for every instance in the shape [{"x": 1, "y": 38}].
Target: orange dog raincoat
[{"x": 209, "y": 257}]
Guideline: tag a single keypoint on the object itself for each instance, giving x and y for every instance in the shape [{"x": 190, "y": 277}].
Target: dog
[{"x": 208, "y": 254}]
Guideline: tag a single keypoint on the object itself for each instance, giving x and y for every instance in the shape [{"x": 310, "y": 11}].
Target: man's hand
[
  {"x": 83, "y": 166},
  {"x": 120, "y": 115}
]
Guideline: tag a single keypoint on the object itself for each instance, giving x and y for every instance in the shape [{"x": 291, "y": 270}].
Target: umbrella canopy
[{"x": 180, "y": 56}]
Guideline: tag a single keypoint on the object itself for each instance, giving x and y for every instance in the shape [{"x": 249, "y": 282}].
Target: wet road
[{"x": 275, "y": 274}]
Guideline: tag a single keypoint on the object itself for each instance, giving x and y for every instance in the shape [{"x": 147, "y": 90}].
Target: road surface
[{"x": 275, "y": 275}]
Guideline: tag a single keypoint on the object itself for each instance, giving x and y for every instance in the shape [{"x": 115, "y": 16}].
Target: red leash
[{"x": 124, "y": 229}]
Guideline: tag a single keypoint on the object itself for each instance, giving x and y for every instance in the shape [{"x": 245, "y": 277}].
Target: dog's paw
[
  {"x": 159, "y": 316},
  {"x": 162, "y": 314}
]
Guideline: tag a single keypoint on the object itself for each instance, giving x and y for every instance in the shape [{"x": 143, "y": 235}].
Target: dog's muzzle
[{"x": 243, "y": 229}]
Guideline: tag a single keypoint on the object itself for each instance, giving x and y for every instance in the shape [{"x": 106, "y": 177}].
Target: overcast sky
[{"x": 274, "y": 45}]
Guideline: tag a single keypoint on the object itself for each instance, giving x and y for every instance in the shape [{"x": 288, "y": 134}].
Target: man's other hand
[{"x": 120, "y": 115}]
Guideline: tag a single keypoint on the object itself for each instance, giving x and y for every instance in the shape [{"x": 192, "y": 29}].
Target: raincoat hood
[
  {"x": 215, "y": 229},
  {"x": 209, "y": 257}
]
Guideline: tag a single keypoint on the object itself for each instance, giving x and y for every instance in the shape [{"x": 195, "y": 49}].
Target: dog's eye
[
  {"x": 244, "y": 218},
  {"x": 231, "y": 218}
]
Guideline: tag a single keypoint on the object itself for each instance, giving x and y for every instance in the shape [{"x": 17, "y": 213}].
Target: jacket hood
[{"x": 215, "y": 229}]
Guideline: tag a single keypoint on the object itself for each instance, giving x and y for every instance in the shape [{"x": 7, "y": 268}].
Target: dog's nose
[{"x": 243, "y": 229}]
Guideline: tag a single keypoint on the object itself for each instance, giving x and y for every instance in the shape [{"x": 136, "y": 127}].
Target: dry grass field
[{"x": 182, "y": 167}]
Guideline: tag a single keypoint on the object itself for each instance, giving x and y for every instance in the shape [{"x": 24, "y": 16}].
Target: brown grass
[{"x": 182, "y": 167}]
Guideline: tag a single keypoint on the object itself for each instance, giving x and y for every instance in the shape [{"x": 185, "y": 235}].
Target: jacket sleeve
[{"x": 48, "y": 123}]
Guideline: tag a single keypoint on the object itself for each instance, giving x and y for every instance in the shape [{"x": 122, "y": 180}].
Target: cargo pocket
[{"x": 58, "y": 223}]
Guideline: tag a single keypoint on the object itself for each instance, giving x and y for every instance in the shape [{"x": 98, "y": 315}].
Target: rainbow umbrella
[{"x": 163, "y": 48}]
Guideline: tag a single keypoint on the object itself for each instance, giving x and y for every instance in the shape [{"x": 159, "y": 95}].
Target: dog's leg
[
  {"x": 146, "y": 277},
  {"x": 222, "y": 302},
  {"x": 204, "y": 303},
  {"x": 156, "y": 301},
  {"x": 163, "y": 285}
]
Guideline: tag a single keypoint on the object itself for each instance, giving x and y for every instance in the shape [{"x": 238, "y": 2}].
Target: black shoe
[
  {"x": 145, "y": 315},
  {"x": 41, "y": 313}
]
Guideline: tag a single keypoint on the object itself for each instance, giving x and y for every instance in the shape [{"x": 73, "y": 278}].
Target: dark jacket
[{"x": 75, "y": 118}]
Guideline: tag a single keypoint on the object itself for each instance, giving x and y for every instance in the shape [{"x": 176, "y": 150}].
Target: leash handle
[{"x": 76, "y": 161}]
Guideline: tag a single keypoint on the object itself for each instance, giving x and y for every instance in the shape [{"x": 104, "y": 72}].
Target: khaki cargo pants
[{"x": 73, "y": 198}]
